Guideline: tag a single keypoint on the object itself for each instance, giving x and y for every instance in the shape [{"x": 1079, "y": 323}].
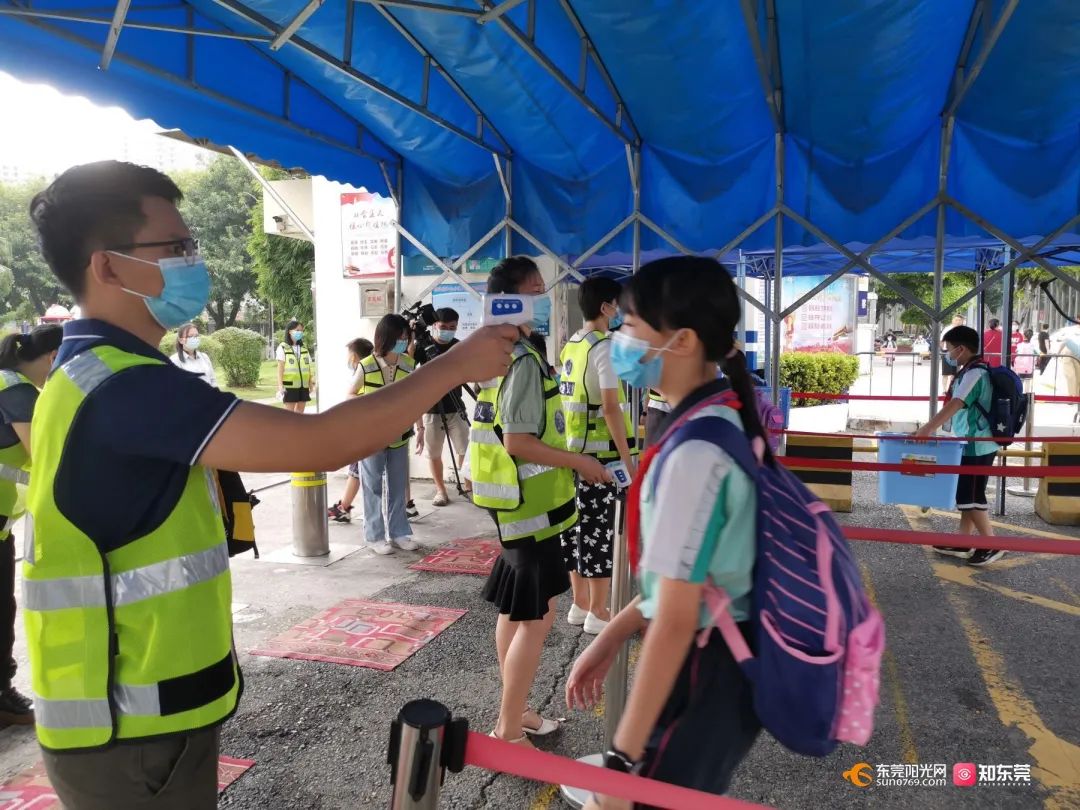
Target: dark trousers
[
  {"x": 708, "y": 724},
  {"x": 172, "y": 773},
  {"x": 7, "y": 611}
]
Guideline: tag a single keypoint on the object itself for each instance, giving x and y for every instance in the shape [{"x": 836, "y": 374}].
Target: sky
[{"x": 52, "y": 132}]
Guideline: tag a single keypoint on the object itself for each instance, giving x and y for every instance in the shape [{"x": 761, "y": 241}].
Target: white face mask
[{"x": 191, "y": 343}]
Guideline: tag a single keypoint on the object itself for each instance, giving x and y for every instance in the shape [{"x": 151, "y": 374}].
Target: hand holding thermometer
[
  {"x": 504, "y": 308},
  {"x": 619, "y": 473}
]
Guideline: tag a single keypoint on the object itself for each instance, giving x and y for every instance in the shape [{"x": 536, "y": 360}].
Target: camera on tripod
[{"x": 421, "y": 317}]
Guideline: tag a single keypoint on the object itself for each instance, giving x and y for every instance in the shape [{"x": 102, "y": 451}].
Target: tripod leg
[{"x": 453, "y": 455}]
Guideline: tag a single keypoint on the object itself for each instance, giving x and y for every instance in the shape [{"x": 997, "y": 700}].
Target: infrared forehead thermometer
[{"x": 502, "y": 308}]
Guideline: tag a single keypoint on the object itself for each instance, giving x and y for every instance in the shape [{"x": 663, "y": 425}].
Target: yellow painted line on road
[
  {"x": 962, "y": 575},
  {"x": 545, "y": 797},
  {"x": 1056, "y": 762},
  {"x": 1065, "y": 587},
  {"x": 909, "y": 752}
]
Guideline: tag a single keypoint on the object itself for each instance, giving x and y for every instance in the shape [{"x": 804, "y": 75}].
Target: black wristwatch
[{"x": 616, "y": 760}]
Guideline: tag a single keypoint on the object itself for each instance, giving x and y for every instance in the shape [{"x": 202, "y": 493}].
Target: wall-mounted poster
[
  {"x": 825, "y": 323},
  {"x": 368, "y": 237}
]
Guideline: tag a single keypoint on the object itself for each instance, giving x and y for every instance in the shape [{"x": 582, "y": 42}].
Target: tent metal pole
[
  {"x": 564, "y": 268},
  {"x": 485, "y": 122},
  {"x": 1015, "y": 245},
  {"x": 64, "y": 16},
  {"x": 965, "y": 79},
  {"x": 1023, "y": 255},
  {"x": 399, "y": 268},
  {"x": 269, "y": 189},
  {"x": 588, "y": 254},
  {"x": 508, "y": 185},
  {"x": 460, "y": 261},
  {"x": 346, "y": 69},
  {"x": 498, "y": 11},
  {"x": 679, "y": 246},
  {"x": 778, "y": 272},
  {"x": 745, "y": 232},
  {"x": 863, "y": 263},
  {"x": 865, "y": 254},
  {"x": 935, "y": 321},
  {"x": 527, "y": 45},
  {"x": 295, "y": 23},
  {"x": 115, "y": 27},
  {"x": 419, "y": 5}
]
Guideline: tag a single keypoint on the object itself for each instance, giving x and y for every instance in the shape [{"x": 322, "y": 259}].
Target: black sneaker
[
  {"x": 411, "y": 510},
  {"x": 954, "y": 551},
  {"x": 15, "y": 708},
  {"x": 985, "y": 556},
  {"x": 339, "y": 513}
]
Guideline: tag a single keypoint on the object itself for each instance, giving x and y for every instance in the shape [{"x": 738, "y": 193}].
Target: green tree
[
  {"x": 954, "y": 286},
  {"x": 217, "y": 205},
  {"x": 283, "y": 266},
  {"x": 33, "y": 288}
]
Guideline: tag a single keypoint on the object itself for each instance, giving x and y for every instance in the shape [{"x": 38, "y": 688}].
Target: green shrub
[
  {"x": 827, "y": 372},
  {"x": 240, "y": 356}
]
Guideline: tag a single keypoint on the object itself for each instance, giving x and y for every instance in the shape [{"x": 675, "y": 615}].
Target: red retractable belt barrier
[
  {"x": 1016, "y": 471},
  {"x": 1006, "y": 542}
]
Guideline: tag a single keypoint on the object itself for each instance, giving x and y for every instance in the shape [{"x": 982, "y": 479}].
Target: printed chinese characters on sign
[{"x": 368, "y": 236}]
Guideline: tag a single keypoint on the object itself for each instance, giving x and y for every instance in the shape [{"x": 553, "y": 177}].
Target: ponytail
[
  {"x": 734, "y": 368},
  {"x": 26, "y": 348}
]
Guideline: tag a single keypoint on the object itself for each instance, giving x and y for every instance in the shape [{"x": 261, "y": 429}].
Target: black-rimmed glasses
[{"x": 187, "y": 248}]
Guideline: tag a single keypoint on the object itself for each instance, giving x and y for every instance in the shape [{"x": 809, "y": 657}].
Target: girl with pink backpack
[{"x": 751, "y": 606}]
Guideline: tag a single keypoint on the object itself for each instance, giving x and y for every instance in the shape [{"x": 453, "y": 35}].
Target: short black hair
[
  {"x": 1029, "y": 333},
  {"x": 510, "y": 273},
  {"x": 361, "y": 347},
  {"x": 20, "y": 348},
  {"x": 963, "y": 336},
  {"x": 388, "y": 331},
  {"x": 91, "y": 207},
  {"x": 447, "y": 315},
  {"x": 994, "y": 323},
  {"x": 1045, "y": 327},
  {"x": 289, "y": 330},
  {"x": 594, "y": 293}
]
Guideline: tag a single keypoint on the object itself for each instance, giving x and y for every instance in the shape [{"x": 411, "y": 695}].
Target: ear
[
  {"x": 686, "y": 342},
  {"x": 101, "y": 269}
]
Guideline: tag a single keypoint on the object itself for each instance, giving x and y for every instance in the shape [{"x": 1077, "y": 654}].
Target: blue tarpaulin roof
[{"x": 563, "y": 86}]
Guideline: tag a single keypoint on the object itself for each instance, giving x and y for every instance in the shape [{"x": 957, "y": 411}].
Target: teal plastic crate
[{"x": 933, "y": 490}]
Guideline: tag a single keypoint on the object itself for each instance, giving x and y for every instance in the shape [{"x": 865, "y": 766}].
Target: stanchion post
[
  {"x": 311, "y": 532},
  {"x": 615, "y": 683},
  {"x": 1026, "y": 491},
  {"x": 424, "y": 742}
]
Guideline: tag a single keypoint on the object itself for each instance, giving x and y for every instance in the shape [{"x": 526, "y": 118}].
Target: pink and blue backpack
[{"x": 816, "y": 639}]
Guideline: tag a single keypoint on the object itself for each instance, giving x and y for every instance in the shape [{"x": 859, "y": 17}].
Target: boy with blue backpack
[
  {"x": 751, "y": 606},
  {"x": 983, "y": 402}
]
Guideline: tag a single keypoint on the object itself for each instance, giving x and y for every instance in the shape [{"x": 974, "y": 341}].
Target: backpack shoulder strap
[{"x": 715, "y": 430}]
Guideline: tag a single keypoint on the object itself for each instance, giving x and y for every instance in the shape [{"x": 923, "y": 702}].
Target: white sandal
[
  {"x": 546, "y": 727},
  {"x": 518, "y": 741}
]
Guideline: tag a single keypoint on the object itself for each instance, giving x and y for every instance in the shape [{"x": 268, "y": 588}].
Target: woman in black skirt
[{"x": 522, "y": 472}]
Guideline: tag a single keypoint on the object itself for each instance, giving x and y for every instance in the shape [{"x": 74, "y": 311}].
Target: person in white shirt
[{"x": 188, "y": 356}]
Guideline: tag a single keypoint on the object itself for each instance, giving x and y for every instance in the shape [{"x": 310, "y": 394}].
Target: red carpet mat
[
  {"x": 30, "y": 790},
  {"x": 472, "y": 556},
  {"x": 362, "y": 634}
]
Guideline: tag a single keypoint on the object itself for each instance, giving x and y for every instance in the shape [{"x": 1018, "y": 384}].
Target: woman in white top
[{"x": 188, "y": 356}]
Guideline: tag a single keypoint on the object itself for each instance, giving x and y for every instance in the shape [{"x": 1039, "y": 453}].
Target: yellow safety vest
[
  {"x": 586, "y": 429},
  {"x": 135, "y": 642},
  {"x": 531, "y": 502},
  {"x": 297, "y": 374},
  {"x": 14, "y": 468},
  {"x": 373, "y": 380}
]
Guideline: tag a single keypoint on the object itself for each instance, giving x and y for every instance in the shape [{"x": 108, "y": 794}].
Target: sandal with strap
[
  {"x": 522, "y": 740},
  {"x": 547, "y": 726}
]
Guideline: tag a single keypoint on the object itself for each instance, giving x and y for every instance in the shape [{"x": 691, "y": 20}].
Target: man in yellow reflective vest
[
  {"x": 126, "y": 580},
  {"x": 598, "y": 424}
]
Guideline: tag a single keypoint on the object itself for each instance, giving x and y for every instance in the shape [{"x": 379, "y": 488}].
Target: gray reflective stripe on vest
[
  {"x": 576, "y": 407},
  {"x": 169, "y": 575},
  {"x": 597, "y": 447},
  {"x": 87, "y": 371},
  {"x": 483, "y": 437},
  {"x": 10, "y": 378},
  {"x": 128, "y": 587},
  {"x": 524, "y": 527},
  {"x": 96, "y": 713},
  {"x": 72, "y": 713},
  {"x": 490, "y": 383},
  {"x": 143, "y": 700},
  {"x": 14, "y": 474},
  {"x": 28, "y": 541},
  {"x": 502, "y": 491},
  {"x": 575, "y": 444},
  {"x": 532, "y": 470}
]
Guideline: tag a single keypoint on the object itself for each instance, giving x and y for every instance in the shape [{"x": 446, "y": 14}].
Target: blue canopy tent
[{"x": 585, "y": 128}]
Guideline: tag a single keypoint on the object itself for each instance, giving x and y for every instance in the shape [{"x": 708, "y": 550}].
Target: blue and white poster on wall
[{"x": 470, "y": 311}]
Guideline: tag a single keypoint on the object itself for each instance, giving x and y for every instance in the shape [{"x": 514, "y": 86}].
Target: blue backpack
[
  {"x": 1008, "y": 405},
  {"x": 817, "y": 641}
]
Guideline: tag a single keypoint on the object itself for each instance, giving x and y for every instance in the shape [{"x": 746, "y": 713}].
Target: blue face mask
[
  {"x": 616, "y": 320},
  {"x": 444, "y": 335},
  {"x": 400, "y": 347},
  {"x": 541, "y": 311},
  {"x": 628, "y": 360},
  {"x": 184, "y": 294},
  {"x": 297, "y": 335},
  {"x": 950, "y": 360}
]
